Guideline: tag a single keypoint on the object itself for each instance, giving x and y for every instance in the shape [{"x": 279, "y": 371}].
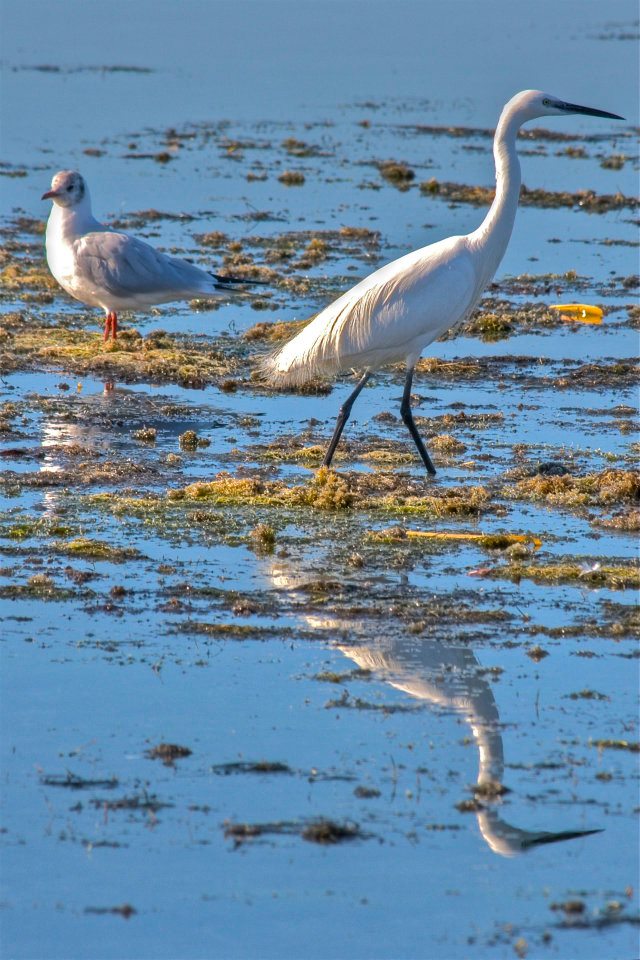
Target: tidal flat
[{"x": 255, "y": 708}]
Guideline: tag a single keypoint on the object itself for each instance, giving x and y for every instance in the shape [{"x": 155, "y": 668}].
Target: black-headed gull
[{"x": 103, "y": 268}]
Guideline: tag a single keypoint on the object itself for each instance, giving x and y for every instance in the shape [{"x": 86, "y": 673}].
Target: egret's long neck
[{"x": 493, "y": 234}]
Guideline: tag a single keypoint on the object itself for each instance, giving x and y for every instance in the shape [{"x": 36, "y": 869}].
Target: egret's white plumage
[
  {"x": 103, "y": 268},
  {"x": 394, "y": 313}
]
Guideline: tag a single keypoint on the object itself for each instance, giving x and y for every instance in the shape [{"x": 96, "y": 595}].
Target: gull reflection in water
[
  {"x": 62, "y": 438},
  {"x": 446, "y": 674}
]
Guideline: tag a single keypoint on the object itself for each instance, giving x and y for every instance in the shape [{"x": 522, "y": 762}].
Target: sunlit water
[{"x": 91, "y": 683}]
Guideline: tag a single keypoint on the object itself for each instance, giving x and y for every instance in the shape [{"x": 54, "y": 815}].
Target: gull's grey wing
[{"x": 124, "y": 266}]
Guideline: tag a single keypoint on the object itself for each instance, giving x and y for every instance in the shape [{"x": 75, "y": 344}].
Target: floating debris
[
  {"x": 292, "y": 178},
  {"x": 323, "y": 831},
  {"x": 579, "y": 312},
  {"x": 74, "y": 782},
  {"x": 329, "y": 832},
  {"x": 569, "y": 906},
  {"x": 168, "y": 753},
  {"x": 537, "y": 653},
  {"x": 246, "y": 766},
  {"x": 631, "y": 745},
  {"x": 147, "y": 803},
  {"x": 490, "y": 789},
  {"x": 125, "y": 910},
  {"x": 400, "y": 174}
]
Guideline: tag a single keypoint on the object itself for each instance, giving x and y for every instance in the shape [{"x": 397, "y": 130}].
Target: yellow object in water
[
  {"x": 582, "y": 312},
  {"x": 499, "y": 538}
]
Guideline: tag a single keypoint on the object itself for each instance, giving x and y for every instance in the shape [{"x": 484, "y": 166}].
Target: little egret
[
  {"x": 394, "y": 313},
  {"x": 112, "y": 270}
]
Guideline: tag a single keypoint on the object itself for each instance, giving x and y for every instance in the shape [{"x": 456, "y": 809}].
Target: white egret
[
  {"x": 112, "y": 270},
  {"x": 394, "y": 313}
]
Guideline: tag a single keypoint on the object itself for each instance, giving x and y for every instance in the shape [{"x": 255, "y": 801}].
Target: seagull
[
  {"x": 394, "y": 313},
  {"x": 103, "y": 268}
]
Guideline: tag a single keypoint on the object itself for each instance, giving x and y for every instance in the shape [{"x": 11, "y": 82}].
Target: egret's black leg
[
  {"x": 343, "y": 416},
  {"x": 407, "y": 416}
]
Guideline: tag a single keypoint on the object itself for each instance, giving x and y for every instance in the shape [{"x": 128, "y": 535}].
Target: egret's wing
[
  {"x": 122, "y": 266},
  {"x": 416, "y": 297},
  {"x": 389, "y": 315}
]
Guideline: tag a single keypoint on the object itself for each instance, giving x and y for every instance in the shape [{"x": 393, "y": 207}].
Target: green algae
[
  {"x": 447, "y": 445},
  {"x": 84, "y": 473},
  {"x": 165, "y": 358},
  {"x": 624, "y": 521},
  {"x": 27, "y": 275},
  {"x": 232, "y": 631},
  {"x": 490, "y": 326},
  {"x": 263, "y": 536},
  {"x": 601, "y": 489},
  {"x": 26, "y": 528},
  {"x": 616, "y": 621},
  {"x": 483, "y": 196},
  {"x": 145, "y": 435},
  {"x": 382, "y": 457},
  {"x": 39, "y": 587},
  {"x": 326, "y": 490},
  {"x": 190, "y": 441},
  {"x": 89, "y": 549},
  {"x": 396, "y": 172},
  {"x": 283, "y": 452},
  {"x": 619, "y": 576},
  {"x": 274, "y": 332}
]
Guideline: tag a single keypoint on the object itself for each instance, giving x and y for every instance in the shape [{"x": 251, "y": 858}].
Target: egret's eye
[
  {"x": 546, "y": 102},
  {"x": 70, "y": 188}
]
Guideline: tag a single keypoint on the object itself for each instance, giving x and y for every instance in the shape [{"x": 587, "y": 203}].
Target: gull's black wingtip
[{"x": 229, "y": 283}]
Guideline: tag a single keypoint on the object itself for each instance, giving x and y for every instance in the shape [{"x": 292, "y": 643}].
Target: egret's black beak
[{"x": 589, "y": 111}]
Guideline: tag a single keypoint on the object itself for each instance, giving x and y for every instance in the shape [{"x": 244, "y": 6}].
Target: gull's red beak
[{"x": 49, "y": 195}]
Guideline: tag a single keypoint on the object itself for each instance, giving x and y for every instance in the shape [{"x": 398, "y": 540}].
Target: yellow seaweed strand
[{"x": 448, "y": 535}]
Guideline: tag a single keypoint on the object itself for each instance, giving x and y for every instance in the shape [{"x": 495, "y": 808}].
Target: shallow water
[{"x": 388, "y": 678}]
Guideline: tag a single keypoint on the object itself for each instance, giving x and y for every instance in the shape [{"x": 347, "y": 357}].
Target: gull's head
[
  {"x": 531, "y": 104},
  {"x": 68, "y": 189}
]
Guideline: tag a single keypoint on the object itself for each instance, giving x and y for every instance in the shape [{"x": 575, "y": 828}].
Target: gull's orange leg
[{"x": 111, "y": 326}]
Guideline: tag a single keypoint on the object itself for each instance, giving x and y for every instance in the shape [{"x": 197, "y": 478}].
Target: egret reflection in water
[{"x": 446, "y": 674}]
